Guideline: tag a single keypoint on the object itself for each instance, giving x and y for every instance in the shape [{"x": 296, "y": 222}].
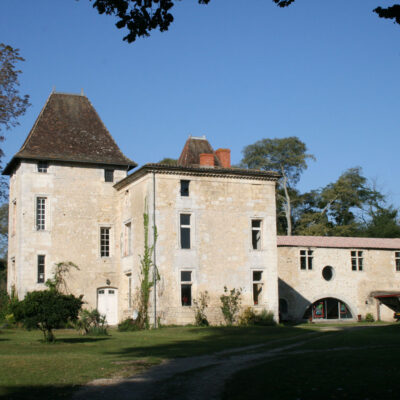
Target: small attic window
[
  {"x": 185, "y": 188},
  {"x": 109, "y": 175},
  {"x": 42, "y": 166}
]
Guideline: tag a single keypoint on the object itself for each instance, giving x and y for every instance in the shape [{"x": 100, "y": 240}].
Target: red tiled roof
[
  {"x": 338, "y": 242},
  {"x": 69, "y": 129},
  {"x": 195, "y": 146}
]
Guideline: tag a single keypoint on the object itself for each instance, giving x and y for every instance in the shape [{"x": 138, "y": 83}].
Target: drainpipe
[{"x": 154, "y": 251}]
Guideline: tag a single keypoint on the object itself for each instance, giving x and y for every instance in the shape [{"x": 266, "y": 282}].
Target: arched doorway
[
  {"x": 328, "y": 308},
  {"x": 107, "y": 304}
]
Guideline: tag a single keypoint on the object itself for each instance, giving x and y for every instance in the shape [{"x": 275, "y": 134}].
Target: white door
[{"x": 107, "y": 304}]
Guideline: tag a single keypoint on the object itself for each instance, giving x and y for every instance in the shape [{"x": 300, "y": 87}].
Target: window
[
  {"x": 186, "y": 288},
  {"x": 42, "y": 166},
  {"x": 356, "y": 260},
  {"x": 256, "y": 234},
  {"x": 327, "y": 273},
  {"x": 41, "y": 213},
  {"x": 397, "y": 260},
  {"x": 109, "y": 175},
  {"x": 185, "y": 230},
  {"x": 257, "y": 286},
  {"x": 127, "y": 239},
  {"x": 306, "y": 259},
  {"x": 40, "y": 268},
  {"x": 104, "y": 242},
  {"x": 185, "y": 188}
]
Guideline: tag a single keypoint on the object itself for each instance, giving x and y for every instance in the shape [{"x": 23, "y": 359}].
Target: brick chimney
[
  {"x": 206, "y": 160},
  {"x": 224, "y": 156}
]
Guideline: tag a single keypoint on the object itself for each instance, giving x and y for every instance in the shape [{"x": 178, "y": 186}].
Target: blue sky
[{"x": 236, "y": 71}]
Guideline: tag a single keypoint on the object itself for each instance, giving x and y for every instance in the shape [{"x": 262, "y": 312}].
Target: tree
[
  {"x": 338, "y": 208},
  {"x": 47, "y": 310},
  {"x": 168, "y": 161},
  {"x": 288, "y": 156},
  {"x": 140, "y": 17},
  {"x": 12, "y": 104},
  {"x": 384, "y": 223}
]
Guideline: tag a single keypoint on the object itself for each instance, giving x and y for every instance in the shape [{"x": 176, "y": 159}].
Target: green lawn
[
  {"x": 351, "y": 364},
  {"x": 32, "y": 369}
]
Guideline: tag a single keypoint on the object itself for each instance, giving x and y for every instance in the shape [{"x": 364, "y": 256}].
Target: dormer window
[
  {"x": 42, "y": 166},
  {"x": 109, "y": 175}
]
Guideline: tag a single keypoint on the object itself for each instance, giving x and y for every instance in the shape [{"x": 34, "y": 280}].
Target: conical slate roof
[
  {"x": 69, "y": 129},
  {"x": 195, "y": 146}
]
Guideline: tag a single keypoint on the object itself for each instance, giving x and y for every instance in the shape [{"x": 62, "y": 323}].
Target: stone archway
[{"x": 328, "y": 308}]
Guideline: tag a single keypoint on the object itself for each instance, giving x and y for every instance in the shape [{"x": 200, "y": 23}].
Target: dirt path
[{"x": 193, "y": 378}]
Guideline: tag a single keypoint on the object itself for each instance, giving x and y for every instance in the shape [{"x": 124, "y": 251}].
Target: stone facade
[{"x": 364, "y": 285}]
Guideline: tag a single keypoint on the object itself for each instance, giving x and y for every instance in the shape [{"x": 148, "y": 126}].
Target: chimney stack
[
  {"x": 207, "y": 160},
  {"x": 224, "y": 156}
]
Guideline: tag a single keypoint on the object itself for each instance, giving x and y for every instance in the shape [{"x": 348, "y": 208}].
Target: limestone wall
[
  {"x": 78, "y": 203},
  {"x": 221, "y": 251},
  {"x": 300, "y": 288}
]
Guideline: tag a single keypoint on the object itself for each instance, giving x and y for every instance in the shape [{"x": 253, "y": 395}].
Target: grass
[
  {"x": 350, "y": 364},
  {"x": 32, "y": 369}
]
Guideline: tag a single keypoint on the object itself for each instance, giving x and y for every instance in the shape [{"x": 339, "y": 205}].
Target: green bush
[
  {"x": 250, "y": 317},
  {"x": 6, "y": 303},
  {"x": 91, "y": 323},
  {"x": 200, "y": 304},
  {"x": 369, "y": 318},
  {"x": 230, "y": 304},
  {"x": 129, "y": 325},
  {"x": 46, "y": 310}
]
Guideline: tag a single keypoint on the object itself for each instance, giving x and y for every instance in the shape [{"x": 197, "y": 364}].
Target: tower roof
[
  {"x": 69, "y": 129},
  {"x": 195, "y": 146}
]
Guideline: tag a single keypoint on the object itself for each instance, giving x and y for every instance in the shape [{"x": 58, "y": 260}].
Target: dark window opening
[
  {"x": 186, "y": 276},
  {"x": 185, "y": 231},
  {"x": 356, "y": 260},
  {"x": 397, "y": 259},
  {"x": 328, "y": 308},
  {"x": 41, "y": 264},
  {"x": 185, "y": 188},
  {"x": 105, "y": 242},
  {"x": 306, "y": 259},
  {"x": 109, "y": 175},
  {"x": 186, "y": 294},
  {"x": 327, "y": 273},
  {"x": 257, "y": 287},
  {"x": 42, "y": 166},
  {"x": 256, "y": 234}
]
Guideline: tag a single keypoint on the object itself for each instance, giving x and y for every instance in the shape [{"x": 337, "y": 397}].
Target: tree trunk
[{"x": 288, "y": 208}]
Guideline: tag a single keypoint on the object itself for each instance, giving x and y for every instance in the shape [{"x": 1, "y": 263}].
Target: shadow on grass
[
  {"x": 210, "y": 340},
  {"x": 36, "y": 392},
  {"x": 83, "y": 339}
]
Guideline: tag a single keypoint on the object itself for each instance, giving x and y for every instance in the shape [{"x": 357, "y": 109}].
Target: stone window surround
[
  {"x": 257, "y": 282},
  {"x": 397, "y": 260},
  {"x": 256, "y": 218},
  {"x": 46, "y": 214},
  {"x": 359, "y": 260},
  {"x": 127, "y": 245},
  {"x": 110, "y": 240},
  {"x": 308, "y": 256},
  {"x": 191, "y": 283},
  {"x": 192, "y": 229}
]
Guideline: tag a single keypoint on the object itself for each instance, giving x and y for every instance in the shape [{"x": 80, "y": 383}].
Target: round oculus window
[{"x": 327, "y": 273}]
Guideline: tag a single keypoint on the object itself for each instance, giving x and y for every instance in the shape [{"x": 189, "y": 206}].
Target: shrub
[
  {"x": 129, "y": 325},
  {"x": 230, "y": 304},
  {"x": 91, "y": 323},
  {"x": 369, "y": 318},
  {"x": 6, "y": 304},
  {"x": 250, "y": 317},
  {"x": 47, "y": 310},
  {"x": 200, "y": 304}
]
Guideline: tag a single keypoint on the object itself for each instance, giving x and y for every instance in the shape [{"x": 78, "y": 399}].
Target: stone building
[
  {"x": 72, "y": 200},
  {"x": 338, "y": 278}
]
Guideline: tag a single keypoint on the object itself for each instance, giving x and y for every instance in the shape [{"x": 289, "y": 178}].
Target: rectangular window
[
  {"x": 186, "y": 288},
  {"x": 14, "y": 217},
  {"x": 356, "y": 260},
  {"x": 129, "y": 291},
  {"x": 397, "y": 260},
  {"x": 257, "y": 286},
  {"x": 109, "y": 175},
  {"x": 41, "y": 213},
  {"x": 306, "y": 259},
  {"x": 185, "y": 230},
  {"x": 127, "y": 239},
  {"x": 40, "y": 268},
  {"x": 42, "y": 166},
  {"x": 104, "y": 242},
  {"x": 256, "y": 234},
  {"x": 185, "y": 188}
]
